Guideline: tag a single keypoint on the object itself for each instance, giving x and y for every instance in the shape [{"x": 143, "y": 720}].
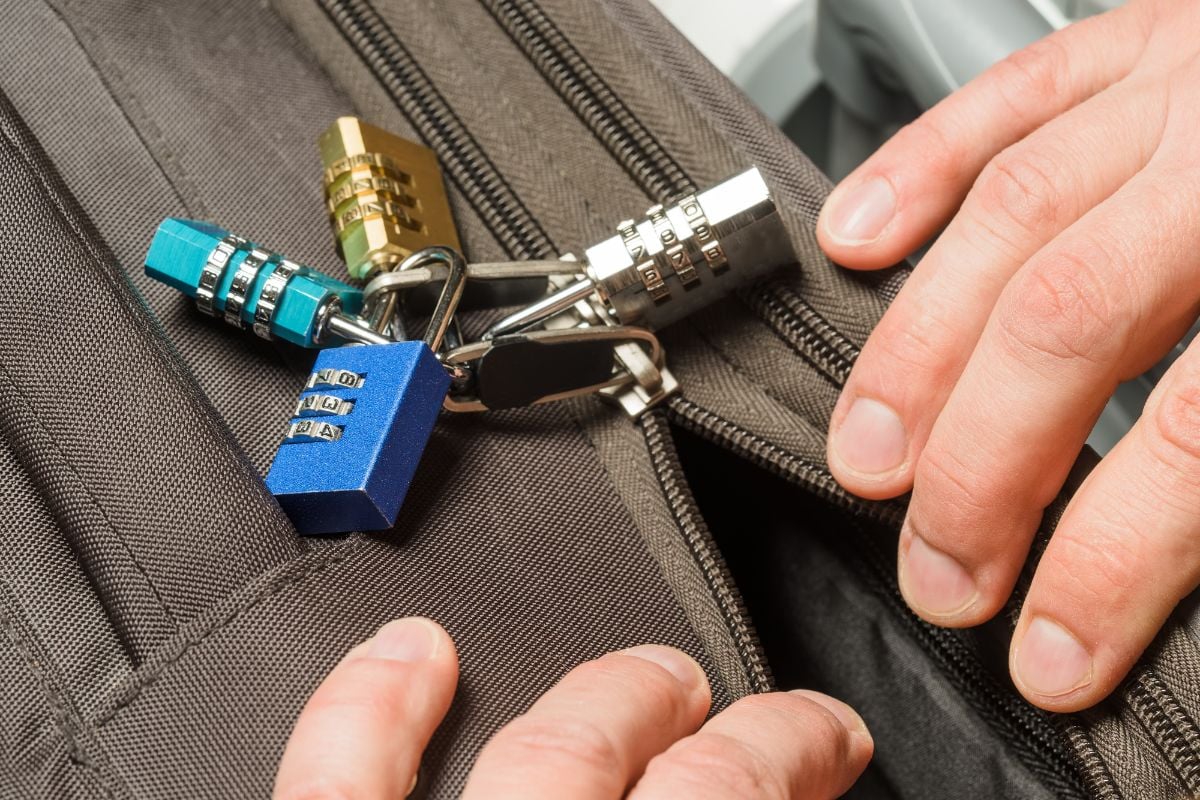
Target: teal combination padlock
[{"x": 254, "y": 288}]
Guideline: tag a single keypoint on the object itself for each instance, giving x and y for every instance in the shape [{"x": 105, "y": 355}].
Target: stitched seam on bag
[
  {"x": 124, "y": 294},
  {"x": 767, "y": 392},
  {"x": 140, "y": 122},
  {"x": 222, "y": 617},
  {"x": 66, "y": 718},
  {"x": 20, "y": 397}
]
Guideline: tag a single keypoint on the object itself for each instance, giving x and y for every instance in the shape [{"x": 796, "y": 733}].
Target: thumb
[{"x": 363, "y": 731}]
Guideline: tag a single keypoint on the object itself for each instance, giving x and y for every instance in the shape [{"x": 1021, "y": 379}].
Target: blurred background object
[{"x": 841, "y": 76}]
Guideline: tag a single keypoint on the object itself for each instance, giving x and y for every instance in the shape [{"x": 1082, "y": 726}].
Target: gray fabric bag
[{"x": 162, "y": 622}]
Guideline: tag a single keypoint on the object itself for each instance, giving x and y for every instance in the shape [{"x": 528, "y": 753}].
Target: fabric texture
[{"x": 162, "y": 622}]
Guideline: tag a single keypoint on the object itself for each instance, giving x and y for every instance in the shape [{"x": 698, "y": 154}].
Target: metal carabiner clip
[{"x": 543, "y": 366}]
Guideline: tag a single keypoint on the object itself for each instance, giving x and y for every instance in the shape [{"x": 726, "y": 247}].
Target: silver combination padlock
[{"x": 677, "y": 260}]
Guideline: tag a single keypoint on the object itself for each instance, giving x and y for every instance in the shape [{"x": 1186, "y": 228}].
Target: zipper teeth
[
  {"x": 1096, "y": 775},
  {"x": 794, "y": 318},
  {"x": 700, "y": 541},
  {"x": 1168, "y": 723},
  {"x": 806, "y": 331},
  {"x": 522, "y": 236},
  {"x": 638, "y": 150},
  {"x": 1030, "y": 731},
  {"x": 800, "y": 324},
  {"x": 776, "y": 460},
  {"x": 1027, "y": 730},
  {"x": 472, "y": 171},
  {"x": 593, "y": 100}
]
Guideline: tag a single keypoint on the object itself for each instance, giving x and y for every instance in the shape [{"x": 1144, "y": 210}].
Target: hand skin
[
  {"x": 629, "y": 724},
  {"x": 1068, "y": 182}
]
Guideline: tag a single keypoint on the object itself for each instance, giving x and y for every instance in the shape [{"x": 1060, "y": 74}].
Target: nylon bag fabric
[{"x": 162, "y": 622}]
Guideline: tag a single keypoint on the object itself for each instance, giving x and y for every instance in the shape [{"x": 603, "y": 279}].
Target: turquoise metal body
[{"x": 181, "y": 247}]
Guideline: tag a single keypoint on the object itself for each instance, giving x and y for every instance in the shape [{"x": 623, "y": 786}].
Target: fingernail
[
  {"x": 934, "y": 582},
  {"x": 845, "y": 714},
  {"x": 871, "y": 439},
  {"x": 676, "y": 662},
  {"x": 411, "y": 639},
  {"x": 860, "y": 215},
  {"x": 1050, "y": 661}
]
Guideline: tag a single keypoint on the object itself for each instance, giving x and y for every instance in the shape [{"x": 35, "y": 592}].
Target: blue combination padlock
[{"x": 363, "y": 420}]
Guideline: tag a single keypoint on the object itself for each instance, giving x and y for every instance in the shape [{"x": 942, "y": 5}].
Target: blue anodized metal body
[{"x": 370, "y": 410}]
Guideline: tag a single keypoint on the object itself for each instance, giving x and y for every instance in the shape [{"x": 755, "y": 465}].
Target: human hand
[
  {"x": 628, "y": 724},
  {"x": 1069, "y": 178}
]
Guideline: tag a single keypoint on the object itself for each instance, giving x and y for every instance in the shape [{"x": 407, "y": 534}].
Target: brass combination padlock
[{"x": 385, "y": 197}]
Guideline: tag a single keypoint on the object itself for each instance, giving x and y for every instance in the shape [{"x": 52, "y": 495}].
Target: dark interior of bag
[{"x": 826, "y": 623}]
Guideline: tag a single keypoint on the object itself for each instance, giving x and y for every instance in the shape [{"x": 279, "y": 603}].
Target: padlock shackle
[{"x": 452, "y": 290}]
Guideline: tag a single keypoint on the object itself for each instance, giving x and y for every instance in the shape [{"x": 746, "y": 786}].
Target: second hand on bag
[{"x": 359, "y": 428}]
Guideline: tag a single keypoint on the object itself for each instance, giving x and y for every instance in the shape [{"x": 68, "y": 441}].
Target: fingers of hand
[
  {"x": 593, "y": 733},
  {"x": 793, "y": 746},
  {"x": 1027, "y": 196},
  {"x": 986, "y": 375},
  {"x": 906, "y": 191},
  {"x": 1090, "y": 309},
  {"x": 1122, "y": 557},
  {"x": 364, "y": 729}
]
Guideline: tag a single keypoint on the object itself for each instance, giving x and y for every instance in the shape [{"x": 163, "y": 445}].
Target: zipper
[
  {"x": 699, "y": 540},
  {"x": 523, "y": 237},
  {"x": 631, "y": 144},
  {"x": 1027, "y": 730},
  {"x": 774, "y": 459},
  {"x": 638, "y": 151},
  {"x": 809, "y": 334},
  {"x": 461, "y": 156}
]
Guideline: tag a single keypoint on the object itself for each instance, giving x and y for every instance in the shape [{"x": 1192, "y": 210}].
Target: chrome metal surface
[
  {"x": 335, "y": 378},
  {"x": 542, "y": 310},
  {"x": 213, "y": 272},
  {"x": 319, "y": 405},
  {"x": 268, "y": 298},
  {"x": 243, "y": 279},
  {"x": 354, "y": 330},
  {"x": 310, "y": 430},
  {"x": 485, "y": 271},
  {"x": 677, "y": 260}
]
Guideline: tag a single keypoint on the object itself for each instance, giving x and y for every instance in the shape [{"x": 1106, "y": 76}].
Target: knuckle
[
  {"x": 1175, "y": 429},
  {"x": 945, "y": 483},
  {"x": 722, "y": 765},
  {"x": 653, "y": 687},
  {"x": 922, "y": 339},
  {"x": 1033, "y": 78},
  {"x": 943, "y": 154},
  {"x": 1097, "y": 566},
  {"x": 806, "y": 720},
  {"x": 1061, "y": 310},
  {"x": 577, "y": 742},
  {"x": 1018, "y": 186},
  {"x": 371, "y": 688}
]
